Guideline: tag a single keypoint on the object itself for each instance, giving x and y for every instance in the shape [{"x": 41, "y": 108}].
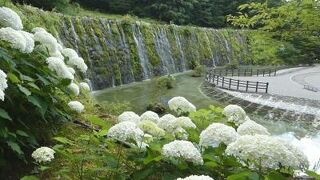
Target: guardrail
[
  {"x": 245, "y": 72},
  {"x": 237, "y": 85}
]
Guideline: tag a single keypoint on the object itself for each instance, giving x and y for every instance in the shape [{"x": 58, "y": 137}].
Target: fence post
[
  {"x": 267, "y": 86},
  {"x": 275, "y": 72},
  {"x": 269, "y": 72},
  {"x": 232, "y": 72},
  {"x": 251, "y": 71},
  {"x": 238, "y": 72},
  {"x": 257, "y": 86},
  {"x": 247, "y": 86},
  {"x": 222, "y": 81},
  {"x": 238, "y": 83},
  {"x": 218, "y": 80},
  {"x": 229, "y": 83},
  {"x": 263, "y": 73},
  {"x": 257, "y": 72},
  {"x": 245, "y": 72},
  {"x": 220, "y": 72}
]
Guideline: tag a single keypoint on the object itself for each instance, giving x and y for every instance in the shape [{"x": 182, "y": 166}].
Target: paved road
[{"x": 290, "y": 82}]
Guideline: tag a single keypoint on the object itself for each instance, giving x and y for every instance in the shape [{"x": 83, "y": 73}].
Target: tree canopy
[{"x": 295, "y": 22}]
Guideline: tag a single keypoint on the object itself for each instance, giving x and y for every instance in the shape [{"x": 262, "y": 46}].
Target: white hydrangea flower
[
  {"x": 3, "y": 84},
  {"x": 9, "y": 18},
  {"x": 147, "y": 138},
  {"x": 300, "y": 161},
  {"x": 150, "y": 116},
  {"x": 129, "y": 116},
  {"x": 267, "y": 152},
  {"x": 56, "y": 54},
  {"x": 180, "y": 133},
  {"x": 235, "y": 114},
  {"x": 2, "y": 94},
  {"x": 43, "y": 154},
  {"x": 79, "y": 63},
  {"x": 126, "y": 131},
  {"x": 49, "y": 41},
  {"x": 196, "y": 177},
  {"x": 38, "y": 29},
  {"x": 58, "y": 65},
  {"x": 76, "y": 106},
  {"x": 251, "y": 128},
  {"x": 180, "y": 149},
  {"x": 185, "y": 122},
  {"x": 15, "y": 38},
  {"x": 168, "y": 123},
  {"x": 85, "y": 86},
  {"x": 60, "y": 48},
  {"x": 151, "y": 128},
  {"x": 181, "y": 105},
  {"x": 69, "y": 53},
  {"x": 217, "y": 133},
  {"x": 29, "y": 41},
  {"x": 74, "y": 88},
  {"x": 71, "y": 70}
]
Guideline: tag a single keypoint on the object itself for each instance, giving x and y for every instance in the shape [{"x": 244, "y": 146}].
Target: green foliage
[
  {"x": 165, "y": 82},
  {"x": 113, "y": 108},
  {"x": 89, "y": 154},
  {"x": 294, "y": 26},
  {"x": 46, "y": 4},
  {"x": 198, "y": 71},
  {"x": 158, "y": 108},
  {"x": 209, "y": 13},
  {"x": 33, "y": 106},
  {"x": 204, "y": 117},
  {"x": 232, "y": 65}
]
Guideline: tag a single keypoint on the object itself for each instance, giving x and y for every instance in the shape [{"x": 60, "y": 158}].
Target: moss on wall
[{"x": 109, "y": 48}]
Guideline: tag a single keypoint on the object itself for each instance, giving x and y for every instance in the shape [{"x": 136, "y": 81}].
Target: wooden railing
[
  {"x": 245, "y": 72},
  {"x": 237, "y": 85}
]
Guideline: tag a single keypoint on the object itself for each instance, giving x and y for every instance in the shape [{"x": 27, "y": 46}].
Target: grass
[{"x": 142, "y": 93}]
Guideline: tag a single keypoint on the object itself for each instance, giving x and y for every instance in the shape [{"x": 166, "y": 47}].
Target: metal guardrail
[
  {"x": 245, "y": 72},
  {"x": 237, "y": 85}
]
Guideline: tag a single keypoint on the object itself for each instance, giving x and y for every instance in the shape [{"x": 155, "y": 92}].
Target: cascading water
[
  {"x": 144, "y": 60},
  {"x": 120, "y": 52},
  {"x": 182, "y": 58},
  {"x": 164, "y": 51}
]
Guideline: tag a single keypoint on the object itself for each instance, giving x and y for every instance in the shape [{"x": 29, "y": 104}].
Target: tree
[{"x": 296, "y": 22}]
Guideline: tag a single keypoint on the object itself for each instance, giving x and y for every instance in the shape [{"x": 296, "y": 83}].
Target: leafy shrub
[
  {"x": 166, "y": 82},
  {"x": 158, "y": 108},
  {"x": 33, "y": 105},
  {"x": 232, "y": 65},
  {"x": 198, "y": 71}
]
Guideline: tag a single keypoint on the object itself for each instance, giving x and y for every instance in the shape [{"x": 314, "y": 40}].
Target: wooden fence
[
  {"x": 245, "y": 72},
  {"x": 237, "y": 85}
]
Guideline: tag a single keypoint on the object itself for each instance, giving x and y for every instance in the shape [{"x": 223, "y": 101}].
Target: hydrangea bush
[
  {"x": 34, "y": 87},
  {"x": 175, "y": 147}
]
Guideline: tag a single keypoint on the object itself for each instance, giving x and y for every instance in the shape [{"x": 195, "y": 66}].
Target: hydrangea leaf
[
  {"x": 4, "y": 114},
  {"x": 24, "y": 90}
]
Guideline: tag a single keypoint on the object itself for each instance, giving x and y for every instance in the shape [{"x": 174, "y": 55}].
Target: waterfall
[
  {"x": 144, "y": 60},
  {"x": 182, "y": 58},
  {"x": 122, "y": 52},
  {"x": 164, "y": 51}
]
